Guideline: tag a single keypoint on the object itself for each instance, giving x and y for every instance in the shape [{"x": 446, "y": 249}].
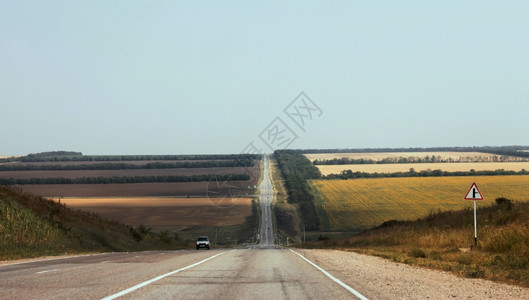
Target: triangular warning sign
[{"x": 474, "y": 193}]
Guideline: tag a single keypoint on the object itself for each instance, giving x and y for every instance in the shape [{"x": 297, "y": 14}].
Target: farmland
[
  {"x": 402, "y": 167},
  {"x": 115, "y": 173},
  {"x": 76, "y": 175},
  {"x": 364, "y": 203},
  {"x": 166, "y": 211},
  {"x": 154, "y": 189},
  {"x": 382, "y": 155},
  {"x": 392, "y": 162},
  {"x": 184, "y": 195}
]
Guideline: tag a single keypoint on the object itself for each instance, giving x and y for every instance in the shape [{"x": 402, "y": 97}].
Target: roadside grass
[
  {"x": 286, "y": 215},
  {"x": 445, "y": 241},
  {"x": 32, "y": 226},
  {"x": 23, "y": 232}
]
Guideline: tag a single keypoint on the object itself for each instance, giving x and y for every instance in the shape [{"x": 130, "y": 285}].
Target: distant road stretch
[{"x": 266, "y": 234}]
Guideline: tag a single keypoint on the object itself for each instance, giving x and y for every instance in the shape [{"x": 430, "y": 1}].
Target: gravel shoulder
[{"x": 377, "y": 278}]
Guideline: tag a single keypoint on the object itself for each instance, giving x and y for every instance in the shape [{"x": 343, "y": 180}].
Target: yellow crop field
[
  {"x": 363, "y": 203},
  {"x": 450, "y": 167},
  {"x": 7, "y": 156}
]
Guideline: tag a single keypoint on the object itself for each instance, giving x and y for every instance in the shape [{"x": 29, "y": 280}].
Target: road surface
[
  {"x": 266, "y": 232},
  {"x": 238, "y": 274},
  {"x": 234, "y": 274}
]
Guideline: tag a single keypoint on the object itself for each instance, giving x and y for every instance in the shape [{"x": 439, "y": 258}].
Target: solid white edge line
[
  {"x": 350, "y": 289},
  {"x": 124, "y": 292},
  {"x": 36, "y": 260},
  {"x": 42, "y": 272}
]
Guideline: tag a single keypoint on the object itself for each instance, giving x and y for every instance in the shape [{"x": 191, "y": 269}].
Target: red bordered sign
[{"x": 474, "y": 193}]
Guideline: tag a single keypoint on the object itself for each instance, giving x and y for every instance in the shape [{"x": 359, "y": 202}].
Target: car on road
[{"x": 203, "y": 242}]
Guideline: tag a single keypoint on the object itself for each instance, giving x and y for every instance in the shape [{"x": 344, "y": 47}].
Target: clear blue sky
[{"x": 164, "y": 77}]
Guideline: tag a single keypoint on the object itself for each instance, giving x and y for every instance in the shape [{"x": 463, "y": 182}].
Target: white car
[{"x": 203, "y": 242}]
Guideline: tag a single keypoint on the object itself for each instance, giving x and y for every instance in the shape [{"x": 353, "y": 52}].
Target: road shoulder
[{"x": 382, "y": 279}]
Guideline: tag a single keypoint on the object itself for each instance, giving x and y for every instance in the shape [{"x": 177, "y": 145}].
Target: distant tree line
[
  {"x": 125, "y": 166},
  {"x": 54, "y": 154},
  {"x": 65, "y": 156},
  {"x": 519, "y": 151},
  {"x": 511, "y": 151},
  {"x": 348, "y": 174},
  {"x": 427, "y": 159},
  {"x": 296, "y": 170},
  {"x": 125, "y": 179}
]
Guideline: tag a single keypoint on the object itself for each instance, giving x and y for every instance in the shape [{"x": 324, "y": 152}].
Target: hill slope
[
  {"x": 32, "y": 226},
  {"x": 444, "y": 240}
]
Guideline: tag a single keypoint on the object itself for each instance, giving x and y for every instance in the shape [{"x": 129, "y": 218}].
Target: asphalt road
[
  {"x": 220, "y": 274},
  {"x": 266, "y": 233}
]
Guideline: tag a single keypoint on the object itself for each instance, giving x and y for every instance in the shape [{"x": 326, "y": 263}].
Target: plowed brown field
[
  {"x": 166, "y": 211},
  {"x": 119, "y": 173},
  {"x": 132, "y": 189}
]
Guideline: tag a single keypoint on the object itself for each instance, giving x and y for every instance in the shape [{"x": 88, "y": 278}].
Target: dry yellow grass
[
  {"x": 166, "y": 211},
  {"x": 363, "y": 203},
  {"x": 451, "y": 167},
  {"x": 382, "y": 155}
]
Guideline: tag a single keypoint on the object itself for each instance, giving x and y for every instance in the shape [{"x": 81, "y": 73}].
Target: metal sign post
[
  {"x": 475, "y": 225},
  {"x": 474, "y": 194}
]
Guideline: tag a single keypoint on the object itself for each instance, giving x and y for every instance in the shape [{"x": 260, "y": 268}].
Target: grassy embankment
[
  {"x": 296, "y": 169},
  {"x": 286, "y": 215},
  {"x": 32, "y": 226},
  {"x": 436, "y": 227},
  {"x": 444, "y": 240}
]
